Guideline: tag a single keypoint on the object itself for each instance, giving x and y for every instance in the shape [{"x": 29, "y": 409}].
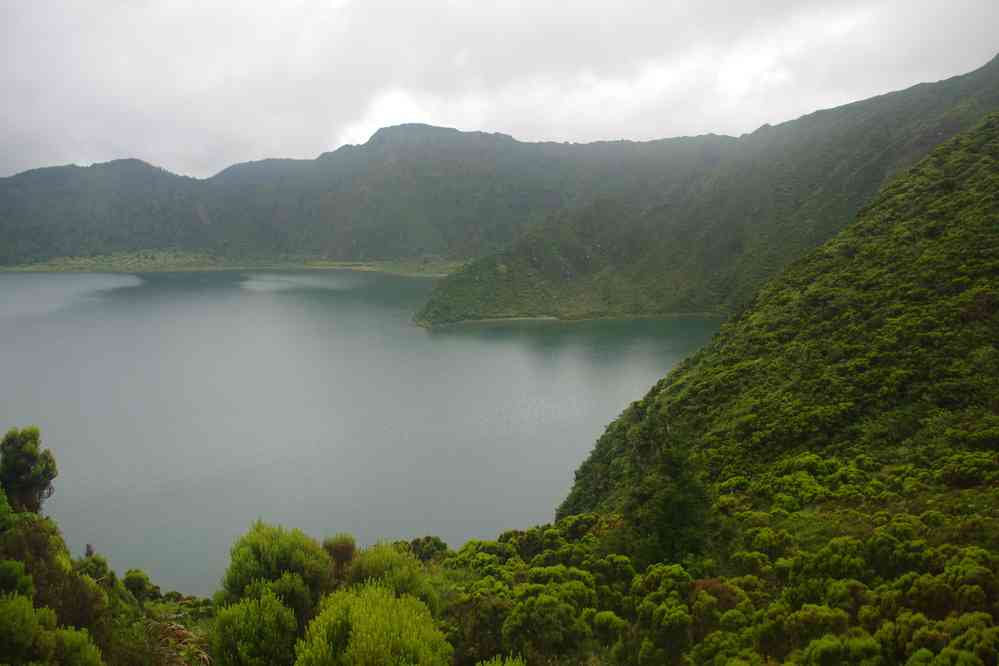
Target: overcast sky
[{"x": 195, "y": 86}]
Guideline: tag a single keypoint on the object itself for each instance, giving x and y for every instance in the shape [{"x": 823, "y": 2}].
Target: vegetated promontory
[
  {"x": 819, "y": 485},
  {"x": 707, "y": 244}
]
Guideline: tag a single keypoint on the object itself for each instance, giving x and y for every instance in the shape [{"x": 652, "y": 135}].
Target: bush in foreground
[{"x": 368, "y": 624}]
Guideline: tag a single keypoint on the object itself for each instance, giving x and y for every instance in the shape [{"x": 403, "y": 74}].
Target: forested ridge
[
  {"x": 774, "y": 195},
  {"x": 819, "y": 485},
  {"x": 411, "y": 191}
]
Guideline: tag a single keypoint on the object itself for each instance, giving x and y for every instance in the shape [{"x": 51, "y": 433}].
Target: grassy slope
[
  {"x": 708, "y": 247},
  {"x": 881, "y": 343}
]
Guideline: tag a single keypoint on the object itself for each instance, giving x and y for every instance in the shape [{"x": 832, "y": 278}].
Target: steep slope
[
  {"x": 881, "y": 346},
  {"x": 777, "y": 193},
  {"x": 410, "y": 191}
]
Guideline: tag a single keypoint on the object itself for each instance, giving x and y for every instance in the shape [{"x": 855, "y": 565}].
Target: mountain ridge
[
  {"x": 400, "y": 195},
  {"x": 386, "y": 134},
  {"x": 775, "y": 194}
]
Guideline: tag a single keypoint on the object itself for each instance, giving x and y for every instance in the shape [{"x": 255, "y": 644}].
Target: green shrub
[
  {"x": 255, "y": 632},
  {"x": 14, "y": 579},
  {"x": 76, "y": 599},
  {"x": 341, "y": 548},
  {"x": 830, "y": 650},
  {"x": 26, "y": 472},
  {"x": 137, "y": 582},
  {"x": 544, "y": 626},
  {"x": 608, "y": 626},
  {"x": 291, "y": 590},
  {"x": 29, "y": 635},
  {"x": 428, "y": 548},
  {"x": 267, "y": 552},
  {"x": 966, "y": 470},
  {"x": 503, "y": 661},
  {"x": 369, "y": 625},
  {"x": 396, "y": 570}
]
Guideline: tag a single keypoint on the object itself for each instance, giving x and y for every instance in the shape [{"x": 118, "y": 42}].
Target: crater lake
[{"x": 181, "y": 407}]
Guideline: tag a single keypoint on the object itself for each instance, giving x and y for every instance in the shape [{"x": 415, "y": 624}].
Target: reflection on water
[
  {"x": 184, "y": 407},
  {"x": 340, "y": 280},
  {"x": 27, "y": 294}
]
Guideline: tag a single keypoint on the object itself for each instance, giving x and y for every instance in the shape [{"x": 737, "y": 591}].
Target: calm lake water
[{"x": 183, "y": 406}]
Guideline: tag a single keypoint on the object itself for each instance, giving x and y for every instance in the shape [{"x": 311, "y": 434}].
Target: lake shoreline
[
  {"x": 433, "y": 270},
  {"x": 571, "y": 320}
]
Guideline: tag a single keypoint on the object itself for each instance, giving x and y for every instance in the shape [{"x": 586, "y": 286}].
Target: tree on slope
[{"x": 26, "y": 472}]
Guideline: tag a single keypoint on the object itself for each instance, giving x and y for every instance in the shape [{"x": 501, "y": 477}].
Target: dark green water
[{"x": 183, "y": 406}]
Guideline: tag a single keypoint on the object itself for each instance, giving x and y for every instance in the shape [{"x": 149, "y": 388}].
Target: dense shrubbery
[
  {"x": 30, "y": 635},
  {"x": 888, "y": 590},
  {"x": 814, "y": 584},
  {"x": 558, "y": 593}
]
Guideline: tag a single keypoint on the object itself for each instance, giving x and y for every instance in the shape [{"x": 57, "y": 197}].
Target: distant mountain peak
[
  {"x": 410, "y": 129},
  {"x": 125, "y": 163},
  {"x": 412, "y": 135},
  {"x": 420, "y": 133}
]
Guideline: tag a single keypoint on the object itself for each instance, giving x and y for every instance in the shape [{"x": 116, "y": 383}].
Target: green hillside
[
  {"x": 842, "y": 432},
  {"x": 775, "y": 194},
  {"x": 411, "y": 191},
  {"x": 880, "y": 343}
]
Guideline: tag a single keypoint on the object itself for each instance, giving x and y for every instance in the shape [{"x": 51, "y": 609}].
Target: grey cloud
[{"x": 195, "y": 86}]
